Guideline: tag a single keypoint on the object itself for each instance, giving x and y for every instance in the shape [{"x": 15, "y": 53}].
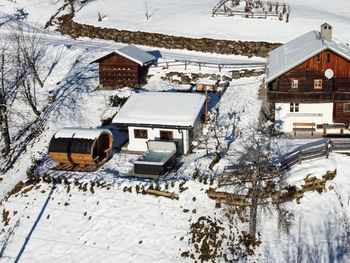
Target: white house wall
[
  {"x": 318, "y": 113},
  {"x": 140, "y": 145}
]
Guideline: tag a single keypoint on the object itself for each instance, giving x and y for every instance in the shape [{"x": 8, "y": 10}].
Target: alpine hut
[
  {"x": 81, "y": 148},
  {"x": 308, "y": 84},
  {"x": 127, "y": 66}
]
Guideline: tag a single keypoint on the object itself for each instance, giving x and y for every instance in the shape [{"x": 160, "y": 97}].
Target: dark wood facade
[
  {"x": 306, "y": 83},
  {"x": 116, "y": 71}
]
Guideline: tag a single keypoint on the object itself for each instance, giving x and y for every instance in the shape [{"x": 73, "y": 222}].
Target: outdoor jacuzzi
[{"x": 160, "y": 158}]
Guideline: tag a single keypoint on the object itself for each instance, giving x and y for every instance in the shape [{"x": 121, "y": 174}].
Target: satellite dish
[{"x": 329, "y": 73}]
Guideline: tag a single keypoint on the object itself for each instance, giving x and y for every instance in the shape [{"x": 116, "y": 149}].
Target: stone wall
[{"x": 66, "y": 25}]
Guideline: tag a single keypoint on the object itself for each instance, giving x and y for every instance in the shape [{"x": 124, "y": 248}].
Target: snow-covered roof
[
  {"x": 81, "y": 133},
  {"x": 133, "y": 53},
  {"x": 207, "y": 81},
  {"x": 161, "y": 108},
  {"x": 297, "y": 51}
]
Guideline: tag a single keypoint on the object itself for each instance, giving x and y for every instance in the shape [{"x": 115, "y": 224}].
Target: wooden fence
[
  {"x": 252, "y": 9},
  {"x": 314, "y": 152},
  {"x": 317, "y": 150},
  {"x": 200, "y": 64}
]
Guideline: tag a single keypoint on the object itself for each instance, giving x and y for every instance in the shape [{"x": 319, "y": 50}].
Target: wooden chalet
[
  {"x": 128, "y": 66},
  {"x": 308, "y": 82}
]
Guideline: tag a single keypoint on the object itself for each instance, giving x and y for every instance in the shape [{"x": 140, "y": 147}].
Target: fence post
[
  {"x": 299, "y": 156},
  {"x": 185, "y": 64},
  {"x": 327, "y": 150}
]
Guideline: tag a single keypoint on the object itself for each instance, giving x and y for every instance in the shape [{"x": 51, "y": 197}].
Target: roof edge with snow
[
  {"x": 299, "y": 50},
  {"x": 132, "y": 53}
]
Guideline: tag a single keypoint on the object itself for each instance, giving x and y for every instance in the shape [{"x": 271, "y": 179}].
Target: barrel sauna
[{"x": 81, "y": 146}]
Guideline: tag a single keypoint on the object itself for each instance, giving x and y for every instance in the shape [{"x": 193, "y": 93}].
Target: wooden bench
[
  {"x": 340, "y": 126},
  {"x": 304, "y": 127}
]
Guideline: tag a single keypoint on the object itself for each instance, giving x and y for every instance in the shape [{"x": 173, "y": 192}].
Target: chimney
[{"x": 326, "y": 32}]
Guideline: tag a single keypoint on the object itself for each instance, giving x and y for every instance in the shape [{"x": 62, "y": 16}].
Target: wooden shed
[
  {"x": 81, "y": 149},
  {"x": 206, "y": 84},
  {"x": 128, "y": 66}
]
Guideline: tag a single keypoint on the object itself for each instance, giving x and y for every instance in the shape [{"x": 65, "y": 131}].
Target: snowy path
[{"x": 95, "y": 45}]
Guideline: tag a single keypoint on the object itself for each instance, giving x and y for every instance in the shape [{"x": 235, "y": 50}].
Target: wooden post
[
  {"x": 299, "y": 156},
  {"x": 327, "y": 150},
  {"x": 199, "y": 65},
  {"x": 219, "y": 68},
  {"x": 167, "y": 65},
  {"x": 185, "y": 65},
  {"x": 206, "y": 105}
]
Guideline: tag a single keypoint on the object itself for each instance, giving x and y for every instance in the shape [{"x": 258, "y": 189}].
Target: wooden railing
[
  {"x": 210, "y": 64},
  {"x": 313, "y": 151},
  {"x": 307, "y": 96},
  {"x": 299, "y": 96}
]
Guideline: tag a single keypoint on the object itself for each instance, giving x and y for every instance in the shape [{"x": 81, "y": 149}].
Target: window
[
  {"x": 294, "y": 83},
  {"x": 140, "y": 134},
  {"x": 294, "y": 107},
  {"x": 317, "y": 83},
  {"x": 318, "y": 58},
  {"x": 346, "y": 107},
  {"x": 166, "y": 135},
  {"x": 328, "y": 57}
]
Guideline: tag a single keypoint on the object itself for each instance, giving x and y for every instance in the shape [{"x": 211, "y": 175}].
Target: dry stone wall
[{"x": 66, "y": 25}]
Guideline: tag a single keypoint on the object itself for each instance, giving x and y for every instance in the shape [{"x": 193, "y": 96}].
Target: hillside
[{"x": 110, "y": 215}]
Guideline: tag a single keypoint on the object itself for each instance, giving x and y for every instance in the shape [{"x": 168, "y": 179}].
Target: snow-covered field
[
  {"x": 193, "y": 19},
  {"x": 111, "y": 224}
]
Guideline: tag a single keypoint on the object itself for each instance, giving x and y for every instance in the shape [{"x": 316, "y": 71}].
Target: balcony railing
[{"x": 277, "y": 96}]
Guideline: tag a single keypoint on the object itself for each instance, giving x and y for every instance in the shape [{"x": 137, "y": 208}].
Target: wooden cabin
[
  {"x": 308, "y": 81},
  {"x": 80, "y": 149},
  {"x": 128, "y": 66}
]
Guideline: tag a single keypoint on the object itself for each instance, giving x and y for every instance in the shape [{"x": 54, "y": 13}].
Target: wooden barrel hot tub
[{"x": 81, "y": 146}]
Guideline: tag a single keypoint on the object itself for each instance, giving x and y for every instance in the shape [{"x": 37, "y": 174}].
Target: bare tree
[
  {"x": 260, "y": 181},
  {"x": 222, "y": 128},
  {"x": 29, "y": 44},
  {"x": 4, "y": 127},
  {"x": 149, "y": 11},
  {"x": 8, "y": 91}
]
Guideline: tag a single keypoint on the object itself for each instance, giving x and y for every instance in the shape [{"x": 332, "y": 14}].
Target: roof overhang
[{"x": 144, "y": 125}]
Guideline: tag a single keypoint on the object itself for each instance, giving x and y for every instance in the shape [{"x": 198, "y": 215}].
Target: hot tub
[{"x": 159, "y": 159}]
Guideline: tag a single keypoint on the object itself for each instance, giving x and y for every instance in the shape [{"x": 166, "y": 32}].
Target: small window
[
  {"x": 317, "y": 83},
  {"x": 318, "y": 58},
  {"x": 140, "y": 134},
  {"x": 166, "y": 135},
  {"x": 294, "y": 83},
  {"x": 328, "y": 57},
  {"x": 294, "y": 107},
  {"x": 346, "y": 107}
]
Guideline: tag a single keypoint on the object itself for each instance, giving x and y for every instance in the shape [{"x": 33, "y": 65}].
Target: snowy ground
[
  {"x": 321, "y": 220},
  {"x": 112, "y": 224}
]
